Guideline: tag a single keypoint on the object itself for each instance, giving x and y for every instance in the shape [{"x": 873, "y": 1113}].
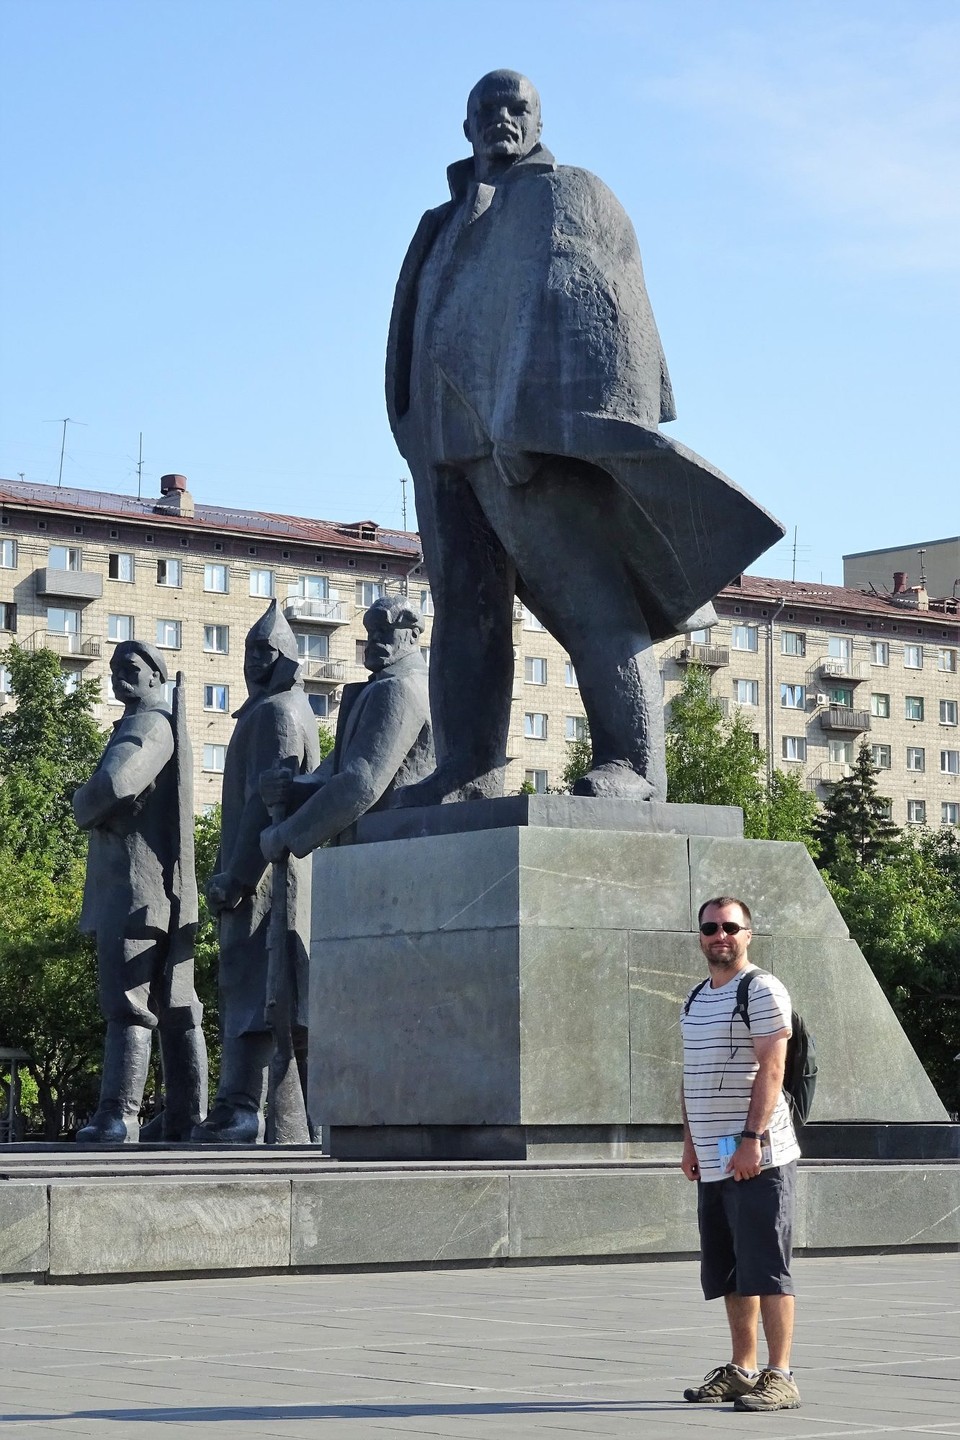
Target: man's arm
[
  {"x": 771, "y": 1053},
  {"x": 689, "y": 1163},
  {"x": 130, "y": 765}
]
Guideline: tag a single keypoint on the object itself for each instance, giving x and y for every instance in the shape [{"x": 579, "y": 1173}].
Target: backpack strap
[
  {"x": 693, "y": 995},
  {"x": 743, "y": 996}
]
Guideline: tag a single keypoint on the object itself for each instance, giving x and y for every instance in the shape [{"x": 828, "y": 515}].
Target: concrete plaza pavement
[{"x": 592, "y": 1350}]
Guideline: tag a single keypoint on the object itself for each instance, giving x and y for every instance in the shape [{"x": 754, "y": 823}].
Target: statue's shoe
[
  {"x": 615, "y": 780},
  {"x": 228, "y": 1125},
  {"x": 109, "y": 1127}
]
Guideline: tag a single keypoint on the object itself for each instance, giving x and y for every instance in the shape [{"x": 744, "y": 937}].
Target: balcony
[
  {"x": 323, "y": 672},
  {"x": 711, "y": 656},
  {"x": 831, "y": 668},
  {"x": 69, "y": 584},
  {"x": 828, "y": 773},
  {"x": 838, "y": 717},
  {"x": 316, "y": 612},
  {"x": 77, "y": 646}
]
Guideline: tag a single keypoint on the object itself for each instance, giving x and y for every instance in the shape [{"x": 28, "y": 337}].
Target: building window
[
  {"x": 947, "y": 660},
  {"x": 743, "y": 637},
  {"x": 913, "y": 707},
  {"x": 313, "y": 647},
  {"x": 881, "y": 756},
  {"x": 534, "y": 726},
  {"x": 699, "y": 637},
  {"x": 8, "y": 554},
  {"x": 368, "y": 591},
  {"x": 840, "y": 647},
  {"x": 168, "y": 634},
  {"x": 261, "y": 584},
  {"x": 426, "y": 602},
  {"x": 121, "y": 566},
  {"x": 880, "y": 706},
  {"x": 216, "y": 697},
  {"x": 309, "y": 587},
  {"x": 948, "y": 712},
  {"x": 539, "y": 779},
  {"x": 215, "y": 579},
  {"x": 214, "y": 757},
  {"x": 4, "y": 680},
  {"x": 425, "y": 652},
  {"x": 746, "y": 692},
  {"x": 879, "y": 652},
  {"x": 575, "y": 727},
  {"x": 70, "y": 679},
  {"x": 530, "y": 621},
  {"x": 216, "y": 639},
  {"x": 166, "y": 690},
  {"x": 8, "y": 616},
  {"x": 950, "y": 762},
  {"x": 913, "y": 657},
  {"x": 793, "y": 642},
  {"x": 169, "y": 572},
  {"x": 569, "y": 675},
  {"x": 916, "y": 812},
  {"x": 842, "y": 695},
  {"x": 360, "y": 652},
  {"x": 62, "y": 622},
  {"x": 840, "y": 752},
  {"x": 884, "y": 807},
  {"x": 119, "y": 627},
  {"x": 949, "y": 812},
  {"x": 915, "y": 755},
  {"x": 64, "y": 557},
  {"x": 794, "y": 747},
  {"x": 534, "y": 670},
  {"x": 793, "y": 697}
]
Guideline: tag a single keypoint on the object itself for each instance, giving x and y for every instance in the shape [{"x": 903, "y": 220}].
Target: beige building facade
[{"x": 813, "y": 669}]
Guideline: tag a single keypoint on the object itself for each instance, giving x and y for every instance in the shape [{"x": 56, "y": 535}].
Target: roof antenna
[
  {"x": 923, "y": 575},
  {"x": 65, "y": 422},
  {"x": 140, "y": 466}
]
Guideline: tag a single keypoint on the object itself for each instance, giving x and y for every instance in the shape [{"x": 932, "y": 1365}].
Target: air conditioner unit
[{"x": 822, "y": 699}]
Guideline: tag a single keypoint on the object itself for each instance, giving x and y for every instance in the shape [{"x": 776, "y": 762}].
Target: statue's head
[
  {"x": 503, "y": 121},
  {"x": 138, "y": 673},
  {"x": 393, "y": 627},
  {"x": 268, "y": 640}
]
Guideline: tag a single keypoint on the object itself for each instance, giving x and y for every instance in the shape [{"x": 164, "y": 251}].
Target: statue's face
[
  {"x": 133, "y": 678},
  {"x": 386, "y": 643},
  {"x": 503, "y": 120},
  {"x": 259, "y": 659}
]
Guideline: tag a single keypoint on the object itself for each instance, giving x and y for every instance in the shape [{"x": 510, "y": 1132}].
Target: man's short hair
[
  {"x": 140, "y": 647},
  {"x": 727, "y": 900},
  {"x": 400, "y": 611}
]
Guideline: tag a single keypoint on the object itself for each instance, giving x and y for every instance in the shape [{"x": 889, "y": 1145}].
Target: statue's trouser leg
[
  {"x": 561, "y": 531},
  {"x": 243, "y": 1071},
  {"x": 184, "y": 1054},
  {"x": 128, "y": 970},
  {"x": 472, "y": 579}
]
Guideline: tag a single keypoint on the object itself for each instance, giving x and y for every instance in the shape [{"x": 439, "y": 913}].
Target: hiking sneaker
[
  {"x": 772, "y": 1391},
  {"x": 727, "y": 1382}
]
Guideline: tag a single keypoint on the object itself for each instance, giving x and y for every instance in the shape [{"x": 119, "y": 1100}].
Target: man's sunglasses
[{"x": 729, "y": 927}]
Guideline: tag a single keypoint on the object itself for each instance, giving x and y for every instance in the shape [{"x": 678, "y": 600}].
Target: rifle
[{"x": 287, "y": 1122}]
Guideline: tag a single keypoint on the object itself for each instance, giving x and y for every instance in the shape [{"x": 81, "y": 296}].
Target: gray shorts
[{"x": 746, "y": 1233}]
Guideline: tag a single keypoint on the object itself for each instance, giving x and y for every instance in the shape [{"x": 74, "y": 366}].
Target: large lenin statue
[{"x": 526, "y": 384}]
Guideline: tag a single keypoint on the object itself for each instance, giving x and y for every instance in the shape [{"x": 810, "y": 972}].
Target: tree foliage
[{"x": 854, "y": 816}]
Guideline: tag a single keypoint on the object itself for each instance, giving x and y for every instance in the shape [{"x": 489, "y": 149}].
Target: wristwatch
[{"x": 749, "y": 1135}]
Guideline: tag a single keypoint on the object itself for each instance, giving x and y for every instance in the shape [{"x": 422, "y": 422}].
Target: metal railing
[
  {"x": 838, "y": 717},
  {"x": 833, "y": 669},
  {"x": 321, "y": 612},
  {"x": 828, "y": 772},
  {"x": 78, "y": 645},
  {"x": 325, "y": 671},
  {"x": 712, "y": 656}
]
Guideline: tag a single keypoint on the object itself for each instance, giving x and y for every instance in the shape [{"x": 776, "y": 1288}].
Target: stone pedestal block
[{"x": 491, "y": 992}]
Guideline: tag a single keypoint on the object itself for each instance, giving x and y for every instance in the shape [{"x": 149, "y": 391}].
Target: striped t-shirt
[{"x": 719, "y": 1067}]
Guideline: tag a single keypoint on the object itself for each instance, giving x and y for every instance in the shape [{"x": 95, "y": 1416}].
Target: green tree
[
  {"x": 711, "y": 760},
  {"x": 326, "y": 737},
  {"x": 854, "y": 816},
  {"x": 207, "y": 946},
  {"x": 791, "y": 810},
  {"x": 579, "y": 760}
]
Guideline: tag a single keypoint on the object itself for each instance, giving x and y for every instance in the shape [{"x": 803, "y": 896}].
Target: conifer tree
[{"x": 854, "y": 817}]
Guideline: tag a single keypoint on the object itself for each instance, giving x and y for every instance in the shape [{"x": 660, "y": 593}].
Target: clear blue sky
[{"x": 206, "y": 203}]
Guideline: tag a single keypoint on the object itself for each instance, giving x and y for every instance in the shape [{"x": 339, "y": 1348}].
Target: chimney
[
  {"x": 899, "y": 576},
  {"x": 175, "y": 498}
]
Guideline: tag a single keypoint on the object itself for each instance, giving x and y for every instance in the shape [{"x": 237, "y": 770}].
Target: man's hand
[
  {"x": 223, "y": 893},
  {"x": 275, "y": 787},
  {"x": 272, "y": 845},
  {"x": 688, "y": 1161},
  {"x": 744, "y": 1163}
]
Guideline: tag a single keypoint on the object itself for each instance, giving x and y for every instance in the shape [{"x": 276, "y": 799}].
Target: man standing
[
  {"x": 740, "y": 1147},
  {"x": 384, "y": 739},
  {"x": 275, "y": 726},
  {"x": 140, "y": 900},
  {"x": 525, "y": 386}
]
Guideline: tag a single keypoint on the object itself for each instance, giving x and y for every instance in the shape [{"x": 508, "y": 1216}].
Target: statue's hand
[
  {"x": 223, "y": 893},
  {"x": 276, "y": 786},
  {"x": 272, "y": 846}
]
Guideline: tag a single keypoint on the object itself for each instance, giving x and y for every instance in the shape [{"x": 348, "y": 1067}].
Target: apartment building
[
  {"x": 933, "y": 564},
  {"x": 813, "y": 668}
]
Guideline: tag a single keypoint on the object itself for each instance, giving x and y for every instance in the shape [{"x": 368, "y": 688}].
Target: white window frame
[
  {"x": 261, "y": 584},
  {"x": 918, "y": 699},
  {"x": 170, "y": 571},
  {"x": 212, "y": 632},
  {"x": 880, "y": 652},
  {"x": 71, "y": 620},
  {"x": 114, "y": 629},
  {"x": 214, "y": 758},
  {"x": 175, "y": 629},
  {"x": 916, "y": 812},
  {"x": 569, "y": 675},
  {"x": 840, "y": 752},
  {"x": 882, "y": 757},
  {"x": 950, "y": 762},
  {"x": 120, "y": 560},
  {"x": 949, "y": 712},
  {"x": 840, "y": 647},
  {"x": 916, "y": 759},
  {"x": 792, "y": 697},
  {"x": 880, "y": 710},
  {"x": 747, "y": 633},
  {"x": 73, "y": 556},
  {"x": 913, "y": 657},
  {"x": 212, "y": 570},
  {"x": 949, "y": 812},
  {"x": 534, "y": 670},
  {"x": 8, "y": 616},
  {"x": 575, "y": 727},
  {"x": 752, "y": 689},
  {"x": 793, "y": 748},
  {"x": 799, "y": 641},
  {"x": 539, "y": 779},
  {"x": 211, "y": 693},
  {"x": 315, "y": 646},
  {"x": 947, "y": 660},
  {"x": 8, "y": 553},
  {"x": 535, "y": 721}
]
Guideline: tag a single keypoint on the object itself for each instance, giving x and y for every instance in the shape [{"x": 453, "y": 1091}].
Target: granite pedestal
[{"x": 513, "y": 991}]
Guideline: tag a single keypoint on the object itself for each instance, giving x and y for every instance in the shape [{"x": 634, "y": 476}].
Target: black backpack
[{"x": 800, "y": 1070}]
